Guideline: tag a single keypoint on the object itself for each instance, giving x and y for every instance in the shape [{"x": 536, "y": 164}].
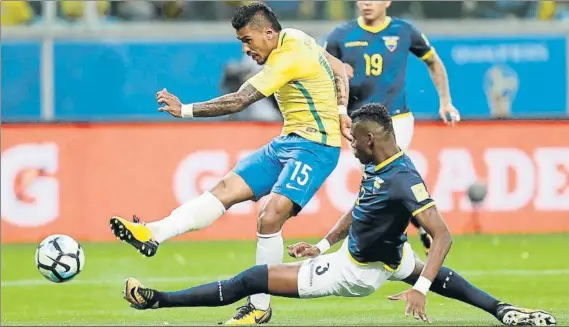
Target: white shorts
[
  {"x": 404, "y": 125},
  {"x": 338, "y": 274}
]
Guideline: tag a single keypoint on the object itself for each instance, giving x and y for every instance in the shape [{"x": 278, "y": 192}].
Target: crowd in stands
[{"x": 72, "y": 11}]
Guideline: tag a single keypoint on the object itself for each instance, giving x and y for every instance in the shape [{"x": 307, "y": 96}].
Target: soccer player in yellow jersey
[{"x": 311, "y": 88}]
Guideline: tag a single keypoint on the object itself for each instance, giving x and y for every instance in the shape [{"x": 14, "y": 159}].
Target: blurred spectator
[
  {"x": 23, "y": 12},
  {"x": 340, "y": 10},
  {"x": 545, "y": 10},
  {"x": 16, "y": 13},
  {"x": 74, "y": 10},
  {"x": 291, "y": 9},
  {"x": 234, "y": 75},
  {"x": 135, "y": 10},
  {"x": 549, "y": 10},
  {"x": 498, "y": 9},
  {"x": 442, "y": 9}
]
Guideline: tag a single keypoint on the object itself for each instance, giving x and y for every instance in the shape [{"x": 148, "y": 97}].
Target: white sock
[
  {"x": 190, "y": 216},
  {"x": 270, "y": 250},
  {"x": 422, "y": 231}
]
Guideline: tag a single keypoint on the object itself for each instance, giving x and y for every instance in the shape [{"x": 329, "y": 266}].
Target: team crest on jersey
[
  {"x": 391, "y": 42},
  {"x": 377, "y": 184}
]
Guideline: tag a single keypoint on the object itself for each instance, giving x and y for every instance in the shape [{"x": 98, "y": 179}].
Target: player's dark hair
[
  {"x": 373, "y": 112},
  {"x": 249, "y": 14}
]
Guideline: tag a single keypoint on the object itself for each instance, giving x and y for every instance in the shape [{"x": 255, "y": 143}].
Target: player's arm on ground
[
  {"x": 410, "y": 189},
  {"x": 340, "y": 230},
  {"x": 335, "y": 235},
  {"x": 431, "y": 220},
  {"x": 421, "y": 47}
]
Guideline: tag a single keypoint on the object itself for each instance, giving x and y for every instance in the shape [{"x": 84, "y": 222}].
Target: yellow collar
[
  {"x": 371, "y": 29},
  {"x": 389, "y": 160}
]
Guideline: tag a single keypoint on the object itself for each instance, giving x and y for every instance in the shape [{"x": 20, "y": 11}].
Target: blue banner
[
  {"x": 520, "y": 77},
  {"x": 498, "y": 76},
  {"x": 21, "y": 94}
]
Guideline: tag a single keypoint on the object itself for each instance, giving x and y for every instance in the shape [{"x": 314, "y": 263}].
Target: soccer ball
[{"x": 59, "y": 258}]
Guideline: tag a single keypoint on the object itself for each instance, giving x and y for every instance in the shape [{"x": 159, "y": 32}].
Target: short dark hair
[
  {"x": 373, "y": 112},
  {"x": 246, "y": 15}
]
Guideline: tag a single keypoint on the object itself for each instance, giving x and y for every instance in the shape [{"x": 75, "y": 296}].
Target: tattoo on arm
[
  {"x": 341, "y": 229},
  {"x": 229, "y": 103},
  {"x": 340, "y": 78},
  {"x": 342, "y": 89},
  {"x": 440, "y": 78}
]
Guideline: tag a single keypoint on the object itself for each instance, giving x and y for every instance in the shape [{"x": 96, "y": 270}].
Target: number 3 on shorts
[
  {"x": 301, "y": 173},
  {"x": 321, "y": 270}
]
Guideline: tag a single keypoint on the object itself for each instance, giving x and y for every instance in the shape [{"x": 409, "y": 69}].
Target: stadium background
[{"x": 82, "y": 141}]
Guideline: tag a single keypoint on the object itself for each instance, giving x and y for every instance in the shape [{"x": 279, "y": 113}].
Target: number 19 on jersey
[{"x": 374, "y": 64}]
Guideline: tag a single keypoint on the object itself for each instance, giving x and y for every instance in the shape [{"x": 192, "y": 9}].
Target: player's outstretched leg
[
  {"x": 193, "y": 215},
  {"x": 426, "y": 239},
  {"x": 280, "y": 280},
  {"x": 449, "y": 283}
]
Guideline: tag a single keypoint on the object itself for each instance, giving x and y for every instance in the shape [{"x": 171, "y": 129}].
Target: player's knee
[
  {"x": 231, "y": 190},
  {"x": 222, "y": 191},
  {"x": 274, "y": 214},
  {"x": 270, "y": 221}
]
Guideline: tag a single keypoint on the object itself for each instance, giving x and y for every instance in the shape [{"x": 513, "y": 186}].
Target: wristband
[
  {"x": 323, "y": 246},
  {"x": 342, "y": 110},
  {"x": 422, "y": 285},
  {"x": 187, "y": 110}
]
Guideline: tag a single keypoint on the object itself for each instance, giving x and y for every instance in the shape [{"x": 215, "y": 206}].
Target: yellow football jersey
[{"x": 301, "y": 78}]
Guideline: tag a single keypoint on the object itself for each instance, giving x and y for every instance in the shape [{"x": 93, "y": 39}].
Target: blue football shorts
[{"x": 289, "y": 165}]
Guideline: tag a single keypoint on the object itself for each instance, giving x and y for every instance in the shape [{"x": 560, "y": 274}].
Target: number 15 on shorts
[{"x": 300, "y": 176}]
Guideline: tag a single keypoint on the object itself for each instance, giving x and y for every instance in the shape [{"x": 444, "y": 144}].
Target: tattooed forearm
[
  {"x": 440, "y": 78},
  {"x": 342, "y": 89},
  {"x": 341, "y": 229},
  {"x": 229, "y": 103},
  {"x": 341, "y": 79}
]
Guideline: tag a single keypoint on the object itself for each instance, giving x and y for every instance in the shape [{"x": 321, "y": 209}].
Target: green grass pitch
[{"x": 531, "y": 271}]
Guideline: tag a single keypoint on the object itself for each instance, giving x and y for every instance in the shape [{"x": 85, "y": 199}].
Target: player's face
[
  {"x": 257, "y": 42},
  {"x": 372, "y": 10},
  {"x": 362, "y": 143}
]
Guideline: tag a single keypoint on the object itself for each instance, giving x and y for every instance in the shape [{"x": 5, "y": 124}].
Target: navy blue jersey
[
  {"x": 390, "y": 193},
  {"x": 379, "y": 59}
]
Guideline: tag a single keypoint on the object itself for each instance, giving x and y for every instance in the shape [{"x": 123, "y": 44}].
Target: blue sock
[
  {"x": 450, "y": 284},
  {"x": 254, "y": 280}
]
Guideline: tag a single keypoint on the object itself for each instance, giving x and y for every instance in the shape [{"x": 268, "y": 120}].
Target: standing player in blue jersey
[
  {"x": 375, "y": 252},
  {"x": 375, "y": 48}
]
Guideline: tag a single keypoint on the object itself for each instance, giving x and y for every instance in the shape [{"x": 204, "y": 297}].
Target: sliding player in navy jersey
[
  {"x": 375, "y": 48},
  {"x": 376, "y": 250}
]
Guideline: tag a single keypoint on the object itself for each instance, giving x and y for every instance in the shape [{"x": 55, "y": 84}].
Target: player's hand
[
  {"x": 449, "y": 111},
  {"x": 173, "y": 106},
  {"x": 349, "y": 70},
  {"x": 346, "y": 127},
  {"x": 303, "y": 250},
  {"x": 416, "y": 303}
]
